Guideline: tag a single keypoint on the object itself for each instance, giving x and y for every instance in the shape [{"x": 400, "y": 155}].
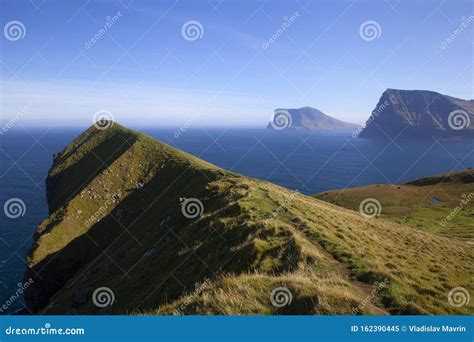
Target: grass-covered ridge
[{"x": 116, "y": 221}]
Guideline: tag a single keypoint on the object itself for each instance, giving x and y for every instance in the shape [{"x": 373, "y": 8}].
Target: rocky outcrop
[{"x": 420, "y": 114}]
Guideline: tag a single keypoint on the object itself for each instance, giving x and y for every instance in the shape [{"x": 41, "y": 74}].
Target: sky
[{"x": 236, "y": 63}]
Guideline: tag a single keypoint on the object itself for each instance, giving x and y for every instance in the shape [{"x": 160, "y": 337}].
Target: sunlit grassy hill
[
  {"x": 441, "y": 203},
  {"x": 125, "y": 214}
]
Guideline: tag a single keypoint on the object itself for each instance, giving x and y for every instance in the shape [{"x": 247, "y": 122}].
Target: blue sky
[{"x": 145, "y": 72}]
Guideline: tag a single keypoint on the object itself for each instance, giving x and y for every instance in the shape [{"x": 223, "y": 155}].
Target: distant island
[
  {"x": 307, "y": 118},
  {"x": 136, "y": 226},
  {"x": 398, "y": 114},
  {"x": 420, "y": 114}
]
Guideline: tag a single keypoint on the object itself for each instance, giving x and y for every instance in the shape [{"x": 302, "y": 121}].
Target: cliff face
[
  {"x": 420, "y": 114},
  {"x": 307, "y": 118},
  {"x": 136, "y": 226}
]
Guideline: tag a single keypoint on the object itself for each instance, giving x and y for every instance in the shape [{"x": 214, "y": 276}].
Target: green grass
[
  {"x": 411, "y": 203},
  {"x": 253, "y": 236}
]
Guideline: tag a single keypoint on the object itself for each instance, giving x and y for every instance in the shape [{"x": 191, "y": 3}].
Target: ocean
[{"x": 308, "y": 162}]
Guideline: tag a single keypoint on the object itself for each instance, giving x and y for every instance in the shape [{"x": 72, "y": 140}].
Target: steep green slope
[{"x": 117, "y": 220}]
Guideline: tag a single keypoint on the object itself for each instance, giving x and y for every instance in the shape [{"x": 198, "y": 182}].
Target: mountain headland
[
  {"x": 307, "y": 118},
  {"x": 138, "y": 227},
  {"x": 420, "y": 114}
]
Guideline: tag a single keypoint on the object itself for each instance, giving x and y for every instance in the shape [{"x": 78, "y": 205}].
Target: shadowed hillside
[{"x": 167, "y": 233}]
